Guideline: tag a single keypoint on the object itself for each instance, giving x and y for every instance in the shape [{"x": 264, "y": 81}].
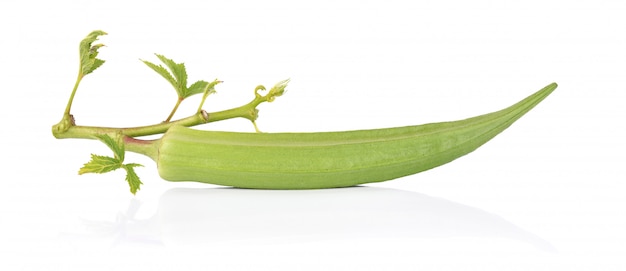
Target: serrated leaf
[
  {"x": 131, "y": 177},
  {"x": 100, "y": 164},
  {"x": 88, "y": 53},
  {"x": 197, "y": 88},
  {"x": 179, "y": 72},
  {"x": 163, "y": 72},
  {"x": 96, "y": 64},
  {"x": 114, "y": 145}
]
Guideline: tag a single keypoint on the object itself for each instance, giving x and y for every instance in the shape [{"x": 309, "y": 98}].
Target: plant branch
[{"x": 247, "y": 111}]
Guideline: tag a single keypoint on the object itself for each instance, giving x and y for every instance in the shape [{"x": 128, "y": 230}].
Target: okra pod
[
  {"x": 275, "y": 160},
  {"x": 326, "y": 159}
]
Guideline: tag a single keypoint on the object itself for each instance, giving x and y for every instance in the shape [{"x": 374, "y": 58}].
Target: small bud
[{"x": 277, "y": 91}]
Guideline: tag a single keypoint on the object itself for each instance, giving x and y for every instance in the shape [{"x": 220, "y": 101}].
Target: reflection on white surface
[{"x": 216, "y": 215}]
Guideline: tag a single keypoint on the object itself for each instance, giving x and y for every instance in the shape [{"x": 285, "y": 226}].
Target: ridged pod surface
[{"x": 327, "y": 159}]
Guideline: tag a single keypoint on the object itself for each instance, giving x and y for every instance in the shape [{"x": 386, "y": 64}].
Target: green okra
[
  {"x": 276, "y": 160},
  {"x": 327, "y": 159}
]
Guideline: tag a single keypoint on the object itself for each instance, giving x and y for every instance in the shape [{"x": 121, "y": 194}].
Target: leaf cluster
[{"x": 103, "y": 164}]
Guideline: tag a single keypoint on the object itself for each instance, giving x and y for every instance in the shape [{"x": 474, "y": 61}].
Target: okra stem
[
  {"x": 247, "y": 111},
  {"x": 146, "y": 147},
  {"x": 89, "y": 132}
]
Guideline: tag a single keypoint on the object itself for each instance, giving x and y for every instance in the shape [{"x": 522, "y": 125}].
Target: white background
[{"x": 547, "y": 194}]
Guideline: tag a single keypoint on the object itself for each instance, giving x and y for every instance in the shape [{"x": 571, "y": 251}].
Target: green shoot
[
  {"x": 177, "y": 77},
  {"x": 88, "y": 63},
  {"x": 208, "y": 89}
]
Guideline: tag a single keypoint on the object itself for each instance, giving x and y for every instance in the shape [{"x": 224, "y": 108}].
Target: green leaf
[
  {"x": 88, "y": 53},
  {"x": 176, "y": 74},
  {"x": 114, "y": 145},
  {"x": 96, "y": 64},
  {"x": 132, "y": 178},
  {"x": 103, "y": 164},
  {"x": 179, "y": 72},
  {"x": 197, "y": 87},
  {"x": 163, "y": 72},
  {"x": 100, "y": 164}
]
